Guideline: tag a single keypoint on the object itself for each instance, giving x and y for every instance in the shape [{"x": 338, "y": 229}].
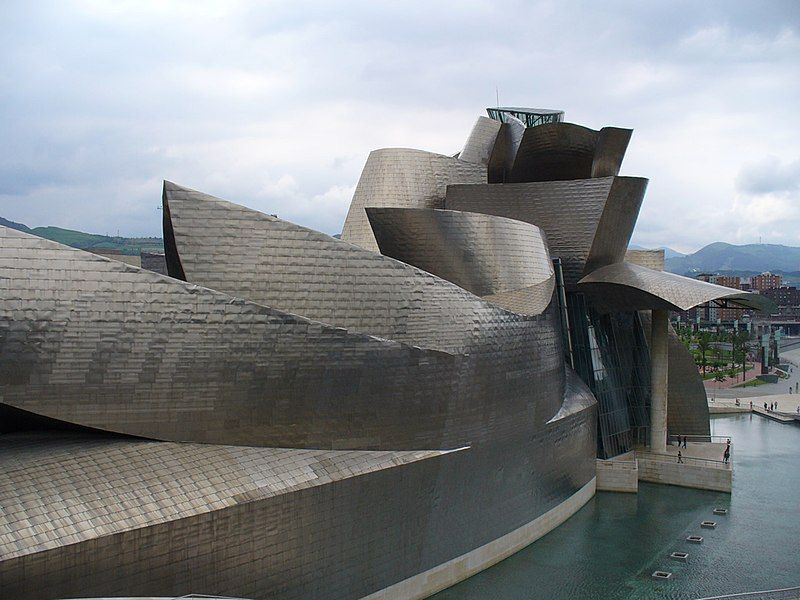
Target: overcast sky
[{"x": 275, "y": 105}]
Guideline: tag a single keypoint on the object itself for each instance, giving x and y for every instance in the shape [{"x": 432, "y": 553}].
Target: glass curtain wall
[{"x": 612, "y": 357}]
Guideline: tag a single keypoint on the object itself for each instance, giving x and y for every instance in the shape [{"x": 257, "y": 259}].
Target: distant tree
[
  {"x": 742, "y": 346},
  {"x": 703, "y": 344}
]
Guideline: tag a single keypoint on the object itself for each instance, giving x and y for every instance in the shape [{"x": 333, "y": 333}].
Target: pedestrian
[
  {"x": 765, "y": 406},
  {"x": 751, "y": 405},
  {"x": 684, "y": 441},
  {"x": 727, "y": 455},
  {"x": 680, "y": 457}
]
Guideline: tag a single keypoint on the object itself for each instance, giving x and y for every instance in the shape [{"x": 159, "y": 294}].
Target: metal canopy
[{"x": 626, "y": 286}]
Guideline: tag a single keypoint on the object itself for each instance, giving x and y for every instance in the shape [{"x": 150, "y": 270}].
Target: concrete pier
[
  {"x": 618, "y": 474},
  {"x": 659, "y": 360}
]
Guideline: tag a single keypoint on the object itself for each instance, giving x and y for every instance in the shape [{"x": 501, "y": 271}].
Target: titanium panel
[
  {"x": 588, "y": 222},
  {"x": 634, "y": 287},
  {"x": 305, "y": 272},
  {"x": 102, "y": 344},
  {"x": 577, "y": 396},
  {"x": 407, "y": 178},
  {"x": 687, "y": 403},
  {"x": 298, "y": 525},
  {"x": 563, "y": 151},
  {"x": 385, "y": 356},
  {"x": 502, "y": 260},
  {"x": 480, "y": 143},
  {"x": 652, "y": 259},
  {"x": 112, "y": 485},
  {"x": 612, "y": 142},
  {"x": 505, "y": 149}
]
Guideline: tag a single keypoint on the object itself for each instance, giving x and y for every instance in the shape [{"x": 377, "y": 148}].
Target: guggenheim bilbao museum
[{"x": 292, "y": 415}]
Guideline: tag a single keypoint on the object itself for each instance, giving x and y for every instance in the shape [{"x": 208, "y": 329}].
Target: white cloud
[{"x": 276, "y": 105}]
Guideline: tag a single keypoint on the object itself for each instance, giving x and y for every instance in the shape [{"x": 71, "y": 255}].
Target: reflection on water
[{"x": 612, "y": 545}]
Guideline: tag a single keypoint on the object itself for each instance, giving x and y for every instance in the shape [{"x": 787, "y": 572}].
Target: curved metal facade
[
  {"x": 174, "y": 361},
  {"x": 481, "y": 141},
  {"x": 637, "y": 287},
  {"x": 562, "y": 151},
  {"x": 407, "y": 178},
  {"x": 354, "y": 414},
  {"x": 501, "y": 161},
  {"x": 502, "y": 260},
  {"x": 248, "y": 254},
  {"x": 588, "y": 222},
  {"x": 154, "y": 518}
]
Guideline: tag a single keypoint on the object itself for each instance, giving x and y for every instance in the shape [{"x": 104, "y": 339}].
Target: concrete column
[{"x": 659, "y": 357}]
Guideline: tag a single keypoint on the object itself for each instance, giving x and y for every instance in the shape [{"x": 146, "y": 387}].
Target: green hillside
[
  {"x": 91, "y": 241},
  {"x": 719, "y": 257}
]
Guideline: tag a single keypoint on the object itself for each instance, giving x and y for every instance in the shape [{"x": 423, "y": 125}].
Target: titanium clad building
[{"x": 290, "y": 415}]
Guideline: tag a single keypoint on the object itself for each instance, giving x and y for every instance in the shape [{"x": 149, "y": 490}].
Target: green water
[{"x": 611, "y": 546}]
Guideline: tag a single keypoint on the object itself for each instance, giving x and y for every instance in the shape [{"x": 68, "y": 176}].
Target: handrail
[
  {"x": 769, "y": 594},
  {"x": 614, "y": 464},
  {"x": 710, "y": 439},
  {"x": 673, "y": 458}
]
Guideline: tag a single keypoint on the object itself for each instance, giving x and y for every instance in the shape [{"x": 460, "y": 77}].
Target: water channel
[{"x": 612, "y": 545}]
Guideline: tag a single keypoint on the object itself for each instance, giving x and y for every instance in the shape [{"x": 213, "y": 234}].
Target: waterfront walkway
[
  {"x": 791, "y": 357},
  {"x": 786, "y": 411},
  {"x": 701, "y": 466}
]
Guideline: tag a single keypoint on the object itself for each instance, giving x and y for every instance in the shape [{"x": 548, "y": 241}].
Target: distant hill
[
  {"x": 91, "y": 241},
  {"x": 13, "y": 225},
  {"x": 668, "y": 252},
  {"x": 719, "y": 257}
]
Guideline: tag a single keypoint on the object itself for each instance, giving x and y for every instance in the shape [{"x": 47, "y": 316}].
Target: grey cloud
[
  {"x": 231, "y": 98},
  {"x": 769, "y": 175}
]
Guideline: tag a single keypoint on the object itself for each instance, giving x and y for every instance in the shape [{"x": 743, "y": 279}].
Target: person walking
[
  {"x": 751, "y": 405},
  {"x": 680, "y": 457},
  {"x": 726, "y": 456},
  {"x": 684, "y": 441}
]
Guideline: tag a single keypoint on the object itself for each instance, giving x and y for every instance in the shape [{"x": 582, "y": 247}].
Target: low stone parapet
[
  {"x": 693, "y": 473},
  {"x": 617, "y": 475}
]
